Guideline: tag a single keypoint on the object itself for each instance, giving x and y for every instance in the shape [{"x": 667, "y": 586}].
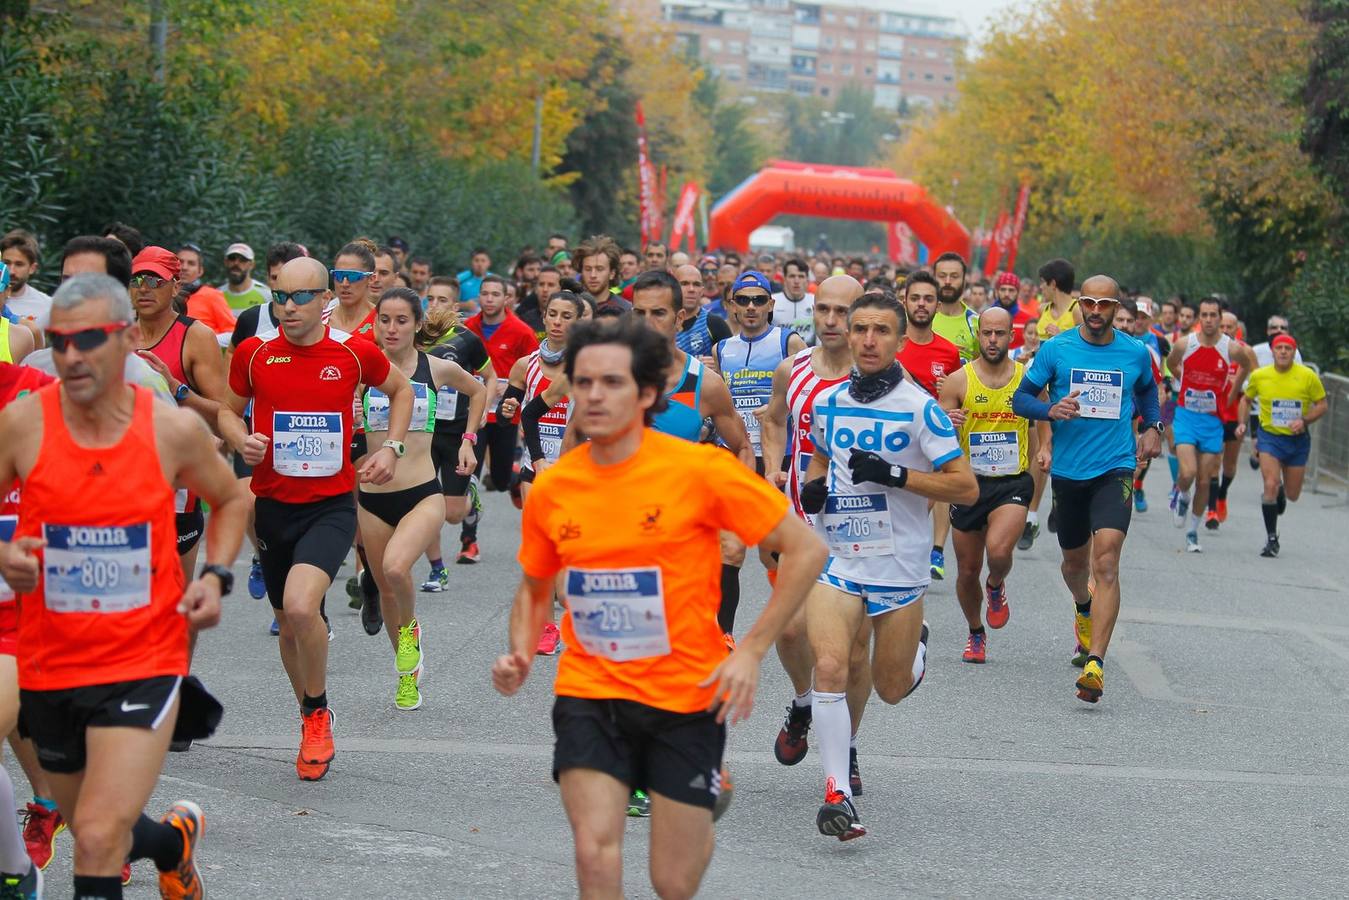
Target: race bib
[
  {"x": 1283, "y": 413},
  {"x": 94, "y": 569},
  {"x": 618, "y": 613},
  {"x": 1201, "y": 401},
  {"x": 180, "y": 501},
  {"x": 307, "y": 445},
  {"x": 447, "y": 403},
  {"x": 746, "y": 407},
  {"x": 377, "y": 409},
  {"x": 995, "y": 452},
  {"x": 858, "y": 525},
  {"x": 1101, "y": 392},
  {"x": 7, "y": 526},
  {"x": 552, "y": 427}
]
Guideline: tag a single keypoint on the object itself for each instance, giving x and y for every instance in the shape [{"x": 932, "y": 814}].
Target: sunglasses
[
  {"x": 350, "y": 276},
  {"x": 150, "y": 281},
  {"x": 85, "y": 339},
  {"x": 754, "y": 300},
  {"x": 1091, "y": 304},
  {"x": 301, "y": 298},
  {"x": 237, "y": 257}
]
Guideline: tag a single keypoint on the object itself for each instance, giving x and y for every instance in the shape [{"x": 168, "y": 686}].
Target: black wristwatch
[{"x": 225, "y": 576}]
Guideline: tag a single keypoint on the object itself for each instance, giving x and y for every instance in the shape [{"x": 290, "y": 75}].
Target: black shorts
[
  {"x": 445, "y": 455},
  {"x": 1085, "y": 507},
  {"x": 993, "y": 492},
  {"x": 318, "y": 533},
  {"x": 56, "y": 720},
  {"x": 390, "y": 506},
  {"x": 190, "y": 526},
  {"x": 676, "y": 755},
  {"x": 358, "y": 447},
  {"x": 1230, "y": 431}
]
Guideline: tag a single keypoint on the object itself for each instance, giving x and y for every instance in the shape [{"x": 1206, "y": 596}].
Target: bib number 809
[{"x": 100, "y": 574}]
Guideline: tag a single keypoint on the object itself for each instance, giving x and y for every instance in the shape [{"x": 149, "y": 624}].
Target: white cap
[
  {"x": 240, "y": 248},
  {"x": 1144, "y": 306}
]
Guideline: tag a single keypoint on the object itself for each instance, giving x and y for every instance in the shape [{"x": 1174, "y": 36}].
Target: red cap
[
  {"x": 1009, "y": 278},
  {"x": 1283, "y": 339},
  {"x": 157, "y": 261}
]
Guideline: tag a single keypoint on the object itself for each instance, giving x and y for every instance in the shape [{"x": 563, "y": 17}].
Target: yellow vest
[{"x": 993, "y": 437}]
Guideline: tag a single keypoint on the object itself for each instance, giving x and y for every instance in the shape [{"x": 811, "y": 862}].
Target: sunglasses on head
[
  {"x": 1094, "y": 303},
  {"x": 150, "y": 281},
  {"x": 350, "y": 276},
  {"x": 301, "y": 298},
  {"x": 751, "y": 299},
  {"x": 84, "y": 339}
]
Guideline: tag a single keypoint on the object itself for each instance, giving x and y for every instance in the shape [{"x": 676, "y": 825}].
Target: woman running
[{"x": 398, "y": 519}]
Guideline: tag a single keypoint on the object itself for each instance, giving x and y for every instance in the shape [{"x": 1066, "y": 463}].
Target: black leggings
[{"x": 499, "y": 439}]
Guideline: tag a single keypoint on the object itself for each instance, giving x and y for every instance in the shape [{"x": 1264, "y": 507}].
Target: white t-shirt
[
  {"x": 796, "y": 316},
  {"x": 31, "y": 304},
  {"x": 137, "y": 371}
]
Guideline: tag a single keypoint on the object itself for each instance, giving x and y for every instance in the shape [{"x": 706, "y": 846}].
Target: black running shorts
[
  {"x": 445, "y": 455},
  {"x": 190, "y": 526},
  {"x": 390, "y": 506},
  {"x": 993, "y": 492},
  {"x": 56, "y": 720},
  {"x": 1085, "y": 507},
  {"x": 318, "y": 533},
  {"x": 676, "y": 755}
]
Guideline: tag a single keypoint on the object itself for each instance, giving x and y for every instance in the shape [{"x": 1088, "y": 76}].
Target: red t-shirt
[
  {"x": 511, "y": 340},
  {"x": 302, "y": 399},
  {"x": 930, "y": 361}
]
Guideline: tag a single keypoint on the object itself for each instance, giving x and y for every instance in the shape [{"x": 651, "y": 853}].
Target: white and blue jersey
[
  {"x": 747, "y": 365},
  {"x": 879, "y": 536}
]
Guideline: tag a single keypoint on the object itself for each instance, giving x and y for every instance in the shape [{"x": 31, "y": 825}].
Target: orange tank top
[{"x": 105, "y": 608}]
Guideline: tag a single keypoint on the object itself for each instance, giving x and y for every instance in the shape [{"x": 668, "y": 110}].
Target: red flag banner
[
  {"x": 998, "y": 242},
  {"x": 646, "y": 183},
  {"x": 682, "y": 229},
  {"x": 1018, "y": 223}
]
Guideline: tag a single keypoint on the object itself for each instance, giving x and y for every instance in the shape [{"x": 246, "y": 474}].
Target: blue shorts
[
  {"x": 878, "y": 598},
  {"x": 1289, "y": 449},
  {"x": 1203, "y": 431}
]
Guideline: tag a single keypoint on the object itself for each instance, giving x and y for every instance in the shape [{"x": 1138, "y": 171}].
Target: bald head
[
  {"x": 303, "y": 274},
  {"x": 688, "y": 272},
  {"x": 839, "y": 289},
  {"x": 1101, "y": 286},
  {"x": 995, "y": 317}
]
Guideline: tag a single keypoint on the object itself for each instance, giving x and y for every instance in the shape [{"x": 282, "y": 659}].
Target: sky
[{"x": 975, "y": 13}]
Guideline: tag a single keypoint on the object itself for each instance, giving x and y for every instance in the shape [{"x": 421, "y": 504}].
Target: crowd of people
[{"x": 654, "y": 415}]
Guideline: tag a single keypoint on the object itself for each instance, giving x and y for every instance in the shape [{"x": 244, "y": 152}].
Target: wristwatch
[
  {"x": 471, "y": 437},
  {"x": 225, "y": 576},
  {"x": 398, "y": 448},
  {"x": 181, "y": 394}
]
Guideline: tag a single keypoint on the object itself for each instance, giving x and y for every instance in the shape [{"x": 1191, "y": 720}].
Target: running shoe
[
  {"x": 257, "y": 588},
  {"x": 549, "y": 640},
  {"x": 40, "y": 828},
  {"x": 409, "y": 658},
  {"x": 975, "y": 648},
  {"x": 316, "y": 744},
  {"x": 1211, "y": 520},
  {"x": 1052, "y": 523},
  {"x": 639, "y": 805},
  {"x": 27, "y": 886},
  {"x": 1175, "y": 498},
  {"x": 437, "y": 582},
  {"x": 1082, "y": 635},
  {"x": 1140, "y": 501},
  {"x": 372, "y": 619},
  {"x": 838, "y": 817},
  {"x": 275, "y": 628},
  {"x": 330, "y": 630},
  {"x": 937, "y": 563},
  {"x": 354, "y": 598},
  {"x": 1271, "y": 548},
  {"x": 475, "y": 493},
  {"x": 183, "y": 882},
  {"x": 517, "y": 496},
  {"x": 1180, "y": 510},
  {"x": 854, "y": 773},
  {"x": 468, "y": 553},
  {"x": 792, "y": 743},
  {"x": 725, "y": 792},
  {"x": 1091, "y": 683},
  {"x": 409, "y": 696},
  {"x": 1028, "y": 536},
  {"x": 1222, "y": 510},
  {"x": 1254, "y": 462},
  {"x": 999, "y": 610},
  {"x": 126, "y": 873},
  {"x": 1192, "y": 542}
]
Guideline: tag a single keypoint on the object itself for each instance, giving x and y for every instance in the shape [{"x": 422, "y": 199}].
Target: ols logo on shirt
[{"x": 330, "y": 373}]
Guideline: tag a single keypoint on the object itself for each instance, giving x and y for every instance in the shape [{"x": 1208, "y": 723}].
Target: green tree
[
  {"x": 602, "y": 153},
  {"x": 30, "y": 195}
]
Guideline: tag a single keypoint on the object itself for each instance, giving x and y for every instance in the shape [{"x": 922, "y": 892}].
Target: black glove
[
  {"x": 868, "y": 466},
  {"x": 813, "y": 495}
]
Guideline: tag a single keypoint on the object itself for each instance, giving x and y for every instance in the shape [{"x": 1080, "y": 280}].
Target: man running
[
  {"x": 1289, "y": 397},
  {"x": 954, "y": 320},
  {"x": 302, "y": 382},
  {"x": 94, "y": 562},
  {"x": 883, "y": 449},
  {"x": 999, "y": 445},
  {"x": 1098, "y": 380},
  {"x": 699, "y": 330},
  {"x": 1275, "y": 325},
  {"x": 645, "y": 685},
  {"x": 793, "y": 304},
  {"x": 241, "y": 289},
  {"x": 1217, "y": 489}
]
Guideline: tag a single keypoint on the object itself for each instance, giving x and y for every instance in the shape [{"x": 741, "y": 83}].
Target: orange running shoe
[
  {"x": 40, "y": 828},
  {"x": 316, "y": 745},
  {"x": 183, "y": 882},
  {"x": 1222, "y": 510}
]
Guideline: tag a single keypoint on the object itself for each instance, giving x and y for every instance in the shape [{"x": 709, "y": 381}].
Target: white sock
[
  {"x": 801, "y": 700},
  {"x": 13, "y": 854},
  {"x": 852, "y": 742},
  {"x": 829, "y": 713},
  {"x": 1032, "y": 517},
  {"x": 1194, "y": 521}
]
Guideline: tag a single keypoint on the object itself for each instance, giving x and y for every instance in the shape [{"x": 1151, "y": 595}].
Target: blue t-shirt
[
  {"x": 489, "y": 330},
  {"x": 1101, "y": 439},
  {"x": 470, "y": 285}
]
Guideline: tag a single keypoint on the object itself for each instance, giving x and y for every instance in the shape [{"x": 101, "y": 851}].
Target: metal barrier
[{"x": 1328, "y": 467}]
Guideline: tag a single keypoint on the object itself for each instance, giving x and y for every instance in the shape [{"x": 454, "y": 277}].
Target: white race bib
[
  {"x": 746, "y": 407},
  {"x": 1283, "y": 413},
  {"x": 377, "y": 409},
  {"x": 307, "y": 444},
  {"x": 552, "y": 428},
  {"x": 995, "y": 453},
  {"x": 618, "y": 613},
  {"x": 858, "y": 525},
  {"x": 96, "y": 569},
  {"x": 1205, "y": 402},
  {"x": 447, "y": 403},
  {"x": 1101, "y": 392}
]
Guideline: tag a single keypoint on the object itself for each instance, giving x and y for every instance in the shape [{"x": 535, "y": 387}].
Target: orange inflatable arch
[{"x": 833, "y": 192}]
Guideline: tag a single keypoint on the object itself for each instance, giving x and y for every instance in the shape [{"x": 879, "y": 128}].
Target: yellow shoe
[{"x": 1091, "y": 683}]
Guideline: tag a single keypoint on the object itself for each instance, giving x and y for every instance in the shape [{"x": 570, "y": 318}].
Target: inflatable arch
[{"x": 834, "y": 192}]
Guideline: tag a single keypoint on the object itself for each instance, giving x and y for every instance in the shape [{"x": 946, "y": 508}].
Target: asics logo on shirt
[
  {"x": 276, "y": 359},
  {"x": 330, "y": 373}
]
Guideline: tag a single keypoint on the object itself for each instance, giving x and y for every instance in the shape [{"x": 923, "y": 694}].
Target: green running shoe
[
  {"x": 355, "y": 598},
  {"x": 409, "y": 696},
  {"x": 639, "y": 805},
  {"x": 409, "y": 658}
]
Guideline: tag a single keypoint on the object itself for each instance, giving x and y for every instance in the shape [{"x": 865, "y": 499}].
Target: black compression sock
[
  {"x": 312, "y": 703},
  {"x": 1212, "y": 494},
  {"x": 1282, "y": 502},
  {"x": 1270, "y": 512},
  {"x": 360, "y": 554},
  {"x": 98, "y": 887},
  {"x": 1223, "y": 486},
  {"x": 730, "y": 597},
  {"x": 979, "y": 630},
  {"x": 156, "y": 841}
]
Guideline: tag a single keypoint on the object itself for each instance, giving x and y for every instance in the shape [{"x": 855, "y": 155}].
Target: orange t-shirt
[
  {"x": 637, "y": 543},
  {"x": 208, "y": 306}
]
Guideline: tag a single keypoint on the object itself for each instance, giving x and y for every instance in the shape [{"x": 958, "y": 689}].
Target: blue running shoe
[
  {"x": 938, "y": 564},
  {"x": 257, "y": 588},
  {"x": 275, "y": 630},
  {"x": 1140, "y": 501}
]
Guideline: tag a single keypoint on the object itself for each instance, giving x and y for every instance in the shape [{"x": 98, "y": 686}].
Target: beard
[
  {"x": 949, "y": 293},
  {"x": 993, "y": 355}
]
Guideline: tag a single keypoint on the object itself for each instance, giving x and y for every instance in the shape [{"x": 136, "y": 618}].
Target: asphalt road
[{"x": 1212, "y": 767}]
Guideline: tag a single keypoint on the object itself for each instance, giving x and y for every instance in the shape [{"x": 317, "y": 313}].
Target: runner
[
  {"x": 1004, "y": 295},
  {"x": 241, "y": 289},
  {"x": 793, "y": 304},
  {"x": 301, "y": 382},
  {"x": 399, "y": 517},
  {"x": 1289, "y": 397},
  {"x": 97, "y": 460},
  {"x": 872, "y": 509},
  {"x": 999, "y": 445},
  {"x": 1217, "y": 490},
  {"x": 1158, "y": 348},
  {"x": 699, "y": 331},
  {"x": 1264, "y": 356},
  {"x": 1059, "y": 311},
  {"x": 16, "y": 340},
  {"x": 645, "y": 685},
  {"x": 1202, "y": 361},
  {"x": 1098, "y": 379},
  {"x": 954, "y": 320}
]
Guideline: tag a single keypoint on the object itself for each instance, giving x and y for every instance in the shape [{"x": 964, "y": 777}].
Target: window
[
  {"x": 847, "y": 44},
  {"x": 803, "y": 65},
  {"x": 850, "y": 21},
  {"x": 806, "y": 37},
  {"x": 735, "y": 48},
  {"x": 803, "y": 87},
  {"x": 928, "y": 77},
  {"x": 826, "y": 67},
  {"x": 828, "y": 40},
  {"x": 869, "y": 46},
  {"x": 714, "y": 45},
  {"x": 824, "y": 92},
  {"x": 830, "y": 18},
  {"x": 948, "y": 78},
  {"x": 867, "y": 71},
  {"x": 846, "y": 69}
]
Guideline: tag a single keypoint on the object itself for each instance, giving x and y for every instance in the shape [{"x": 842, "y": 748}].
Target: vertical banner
[
  {"x": 1018, "y": 222},
  {"x": 646, "y": 183},
  {"x": 683, "y": 227}
]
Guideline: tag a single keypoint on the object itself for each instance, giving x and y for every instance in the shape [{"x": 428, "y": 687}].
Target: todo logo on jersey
[{"x": 330, "y": 373}]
